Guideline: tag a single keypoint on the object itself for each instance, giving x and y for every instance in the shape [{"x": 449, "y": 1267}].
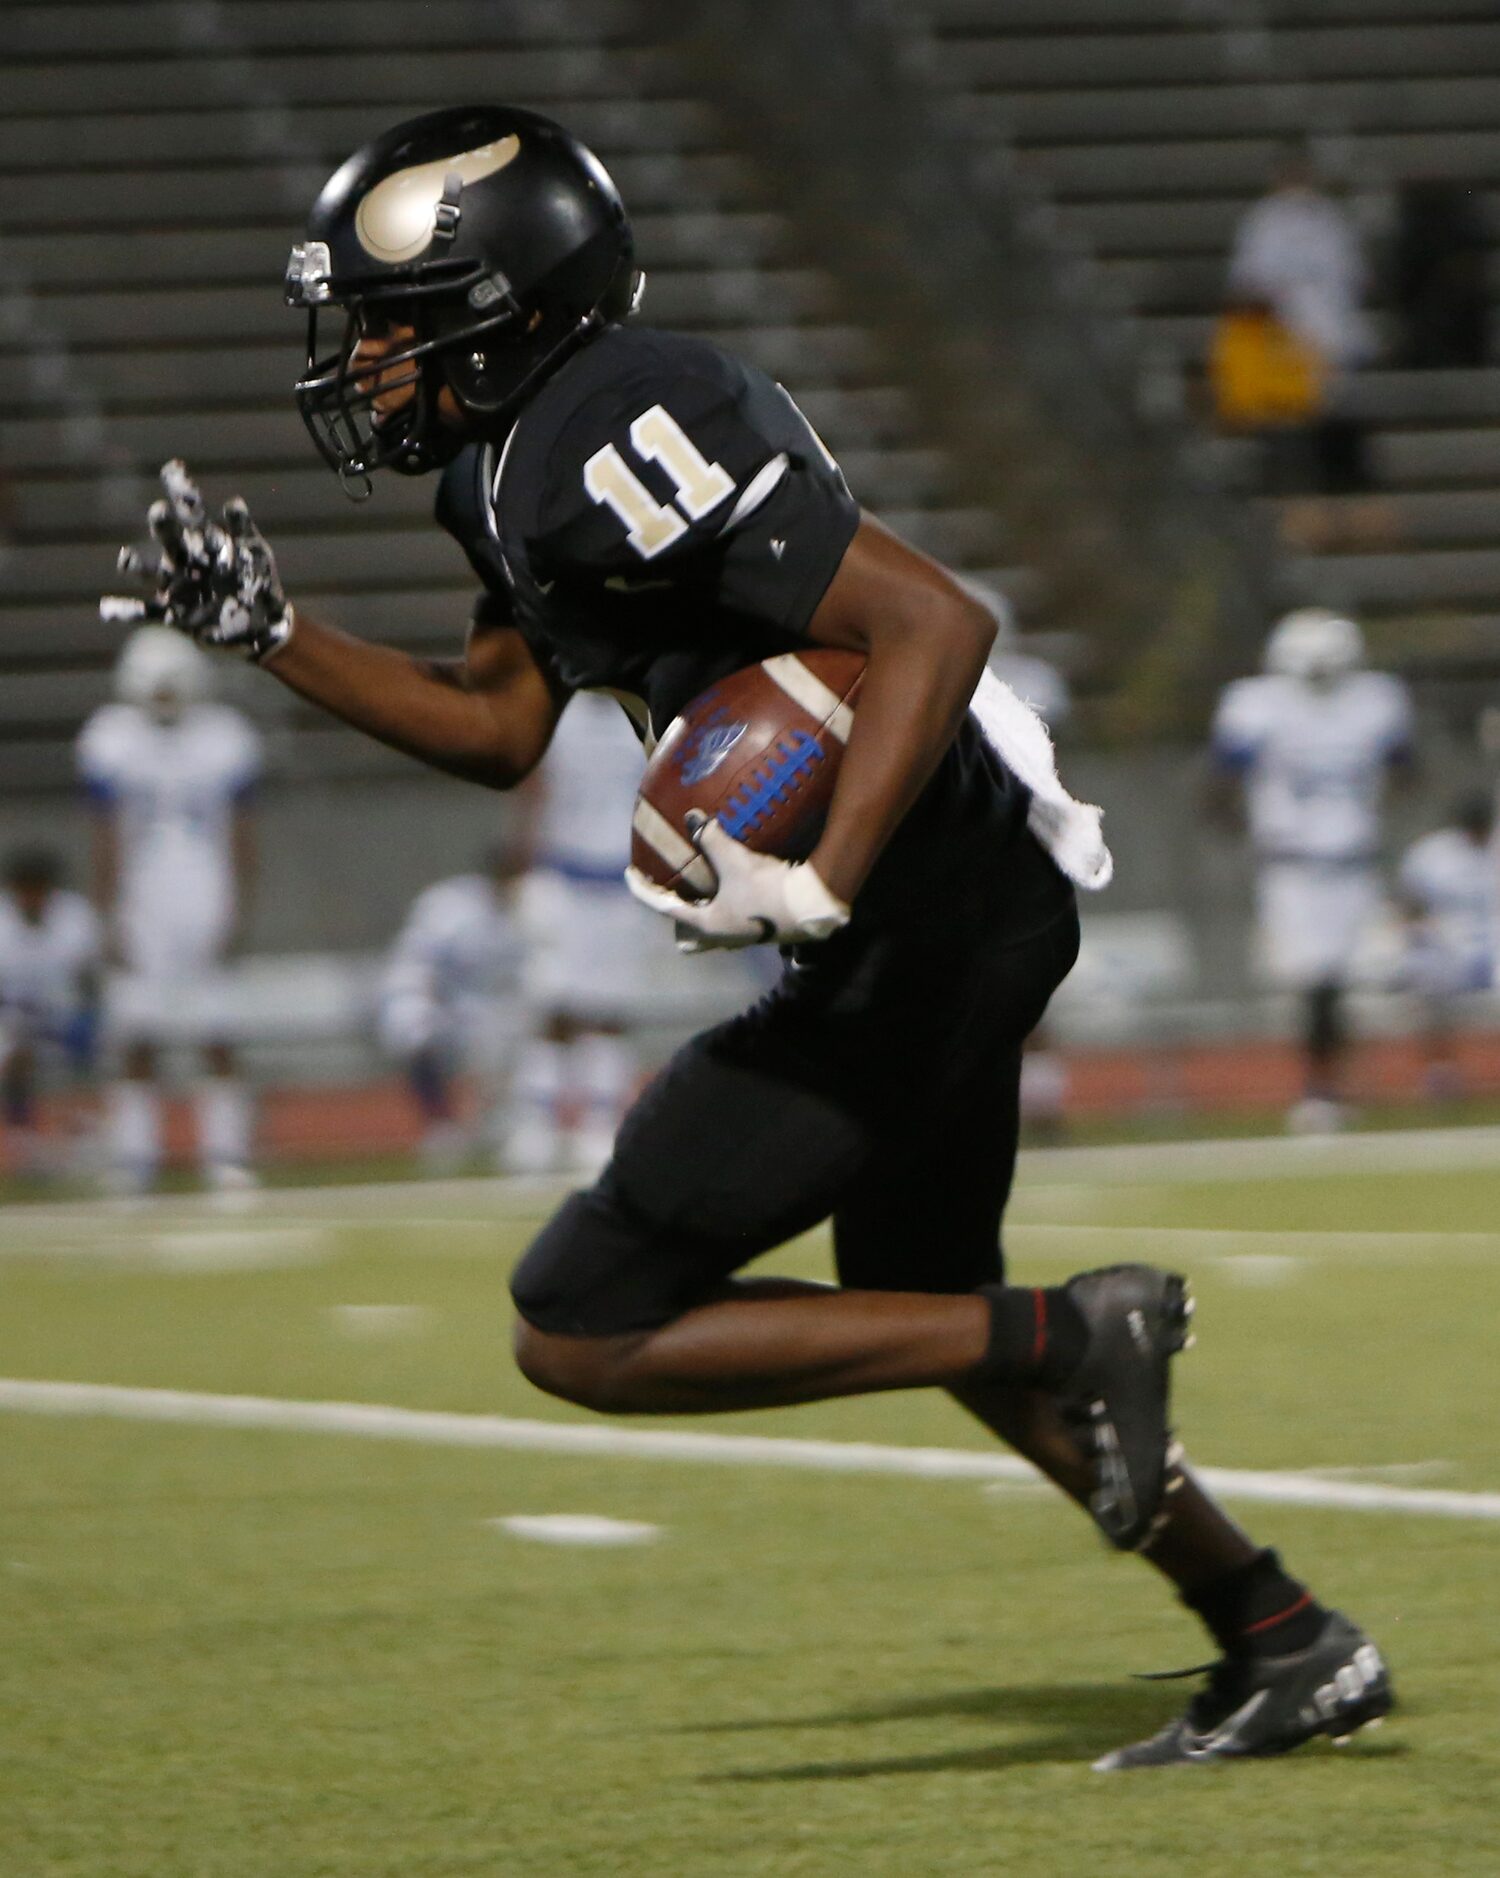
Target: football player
[
  {"x": 1312, "y": 741},
  {"x": 448, "y": 1004},
  {"x": 49, "y": 970},
  {"x": 1448, "y": 886},
  {"x": 646, "y": 514},
  {"x": 171, "y": 776},
  {"x": 588, "y": 955}
]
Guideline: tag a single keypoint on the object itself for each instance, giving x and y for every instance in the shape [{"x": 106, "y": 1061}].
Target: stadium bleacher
[
  {"x": 1146, "y": 127},
  {"x": 156, "y": 161}
]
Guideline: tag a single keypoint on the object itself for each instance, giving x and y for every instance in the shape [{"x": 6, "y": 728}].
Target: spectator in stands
[
  {"x": 1438, "y": 277},
  {"x": 1298, "y": 251},
  {"x": 449, "y": 1006},
  {"x": 49, "y": 985},
  {"x": 587, "y": 966},
  {"x": 1448, "y": 884},
  {"x": 1311, "y": 743},
  {"x": 1298, "y": 262},
  {"x": 171, "y": 776}
]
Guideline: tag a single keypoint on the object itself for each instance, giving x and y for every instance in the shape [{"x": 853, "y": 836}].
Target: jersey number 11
[{"x": 651, "y": 526}]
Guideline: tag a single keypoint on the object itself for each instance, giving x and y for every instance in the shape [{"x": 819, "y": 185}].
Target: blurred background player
[
  {"x": 588, "y": 941},
  {"x": 1039, "y": 683},
  {"x": 1312, "y": 741},
  {"x": 49, "y": 988},
  {"x": 171, "y": 775},
  {"x": 448, "y": 1007},
  {"x": 1447, "y": 884}
]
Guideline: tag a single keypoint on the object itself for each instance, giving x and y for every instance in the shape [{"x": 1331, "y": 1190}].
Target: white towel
[{"x": 1069, "y": 830}]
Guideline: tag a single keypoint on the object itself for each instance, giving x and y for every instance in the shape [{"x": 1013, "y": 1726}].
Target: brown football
[{"x": 760, "y": 752}]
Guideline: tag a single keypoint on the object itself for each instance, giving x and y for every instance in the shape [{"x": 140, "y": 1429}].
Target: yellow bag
[{"x": 1261, "y": 374}]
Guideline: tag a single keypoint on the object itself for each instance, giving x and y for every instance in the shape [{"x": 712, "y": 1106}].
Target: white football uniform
[
  {"x": 43, "y": 968},
  {"x": 1313, "y": 761},
  {"x": 453, "y": 974},
  {"x": 590, "y": 940},
  {"x": 1452, "y": 883},
  {"x": 174, "y": 790}
]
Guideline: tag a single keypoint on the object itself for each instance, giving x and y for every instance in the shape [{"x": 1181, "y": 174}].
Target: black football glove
[{"x": 217, "y": 583}]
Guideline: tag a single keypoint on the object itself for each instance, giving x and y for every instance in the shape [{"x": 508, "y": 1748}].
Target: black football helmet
[{"x": 493, "y": 233}]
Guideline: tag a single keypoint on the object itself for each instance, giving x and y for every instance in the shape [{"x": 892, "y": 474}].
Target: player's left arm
[{"x": 925, "y": 642}]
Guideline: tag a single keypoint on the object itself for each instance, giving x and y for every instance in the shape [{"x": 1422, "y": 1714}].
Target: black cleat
[
  {"x": 1260, "y": 1705},
  {"x": 1116, "y": 1400}
]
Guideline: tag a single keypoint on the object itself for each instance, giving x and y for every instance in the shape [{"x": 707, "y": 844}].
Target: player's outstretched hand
[
  {"x": 759, "y": 900},
  {"x": 215, "y": 581}
]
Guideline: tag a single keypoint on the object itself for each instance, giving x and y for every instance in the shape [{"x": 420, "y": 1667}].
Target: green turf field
[{"x": 232, "y": 1653}]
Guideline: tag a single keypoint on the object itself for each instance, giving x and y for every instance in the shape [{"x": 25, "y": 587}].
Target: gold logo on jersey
[{"x": 395, "y": 221}]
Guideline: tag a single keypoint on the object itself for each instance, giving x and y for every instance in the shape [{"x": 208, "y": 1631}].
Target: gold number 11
[{"x": 656, "y": 437}]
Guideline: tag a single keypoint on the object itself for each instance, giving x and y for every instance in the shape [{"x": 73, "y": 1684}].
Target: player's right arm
[{"x": 487, "y": 717}]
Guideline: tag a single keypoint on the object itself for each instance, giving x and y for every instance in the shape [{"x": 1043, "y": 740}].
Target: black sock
[
  {"x": 1258, "y": 1609},
  {"x": 1036, "y": 1336}
]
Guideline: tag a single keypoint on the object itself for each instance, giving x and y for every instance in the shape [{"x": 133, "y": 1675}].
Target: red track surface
[{"x": 378, "y": 1118}]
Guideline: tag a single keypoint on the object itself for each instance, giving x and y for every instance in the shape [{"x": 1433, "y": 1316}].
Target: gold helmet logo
[{"x": 396, "y": 220}]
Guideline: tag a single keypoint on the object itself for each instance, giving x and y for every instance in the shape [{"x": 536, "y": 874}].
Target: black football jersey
[{"x": 662, "y": 514}]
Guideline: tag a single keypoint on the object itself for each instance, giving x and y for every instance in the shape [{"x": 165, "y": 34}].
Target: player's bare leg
[
  {"x": 224, "y": 1119},
  {"x": 1197, "y": 1542},
  {"x": 133, "y": 1127},
  {"x": 752, "y": 1350}
]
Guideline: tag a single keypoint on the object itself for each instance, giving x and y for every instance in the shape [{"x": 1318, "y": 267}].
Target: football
[{"x": 759, "y": 751}]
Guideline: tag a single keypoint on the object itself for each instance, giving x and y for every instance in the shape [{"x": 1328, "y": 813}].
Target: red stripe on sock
[
  {"x": 1039, "y": 1341},
  {"x": 1269, "y": 1623}
]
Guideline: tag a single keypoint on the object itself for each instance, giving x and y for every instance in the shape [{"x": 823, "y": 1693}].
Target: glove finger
[
  {"x": 132, "y": 561},
  {"x": 166, "y": 530},
  {"x": 712, "y": 840},
  {"x": 237, "y": 522},
  {"x": 659, "y": 899},
  {"x": 119, "y": 610},
  {"x": 182, "y": 494}
]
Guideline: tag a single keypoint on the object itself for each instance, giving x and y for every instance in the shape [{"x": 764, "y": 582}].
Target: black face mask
[{"x": 339, "y": 410}]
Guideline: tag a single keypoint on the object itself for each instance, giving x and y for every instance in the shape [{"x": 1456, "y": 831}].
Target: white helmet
[
  {"x": 1315, "y": 645},
  {"x": 162, "y": 671}
]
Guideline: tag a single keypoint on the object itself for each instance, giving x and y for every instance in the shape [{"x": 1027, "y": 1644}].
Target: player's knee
[
  {"x": 587, "y": 1371},
  {"x": 593, "y": 1273}
]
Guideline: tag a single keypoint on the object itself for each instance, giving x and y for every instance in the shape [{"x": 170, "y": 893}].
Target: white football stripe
[
  {"x": 443, "y": 1428},
  {"x": 673, "y": 848},
  {"x": 576, "y": 1529},
  {"x": 803, "y": 686}
]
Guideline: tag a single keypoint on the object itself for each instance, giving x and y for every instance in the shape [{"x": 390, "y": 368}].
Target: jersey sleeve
[
  {"x": 1239, "y": 727},
  {"x": 102, "y": 754},
  {"x": 1400, "y": 724},
  {"x": 707, "y": 479},
  {"x": 243, "y": 755}
]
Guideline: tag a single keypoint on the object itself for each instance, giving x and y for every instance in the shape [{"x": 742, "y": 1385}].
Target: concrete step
[
  {"x": 1207, "y": 55},
  {"x": 180, "y": 81},
  {"x": 248, "y": 254},
  {"x": 107, "y": 31},
  {"x": 74, "y": 138},
  {"x": 1154, "y": 113}
]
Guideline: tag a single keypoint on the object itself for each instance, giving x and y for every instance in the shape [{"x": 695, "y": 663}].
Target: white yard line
[
  {"x": 377, "y": 1422},
  {"x": 1272, "y": 1157},
  {"x": 1235, "y": 1242}
]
